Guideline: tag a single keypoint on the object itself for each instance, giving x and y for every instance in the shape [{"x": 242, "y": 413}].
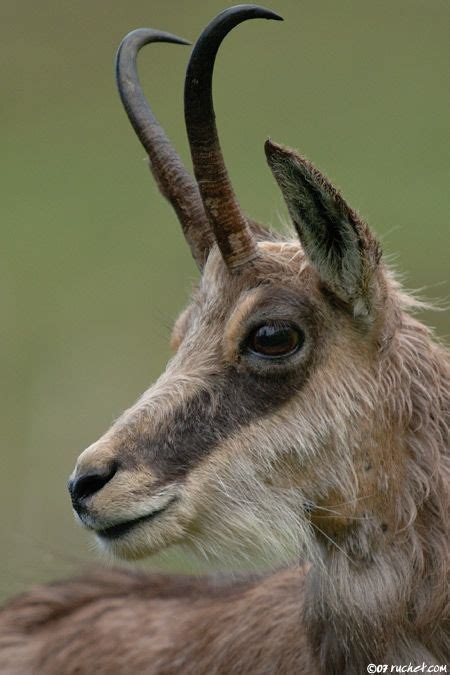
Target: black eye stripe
[
  {"x": 198, "y": 425},
  {"x": 274, "y": 340}
]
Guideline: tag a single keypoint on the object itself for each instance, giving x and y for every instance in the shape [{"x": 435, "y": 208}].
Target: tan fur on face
[
  {"x": 332, "y": 458},
  {"x": 324, "y": 421},
  {"x": 348, "y": 473}
]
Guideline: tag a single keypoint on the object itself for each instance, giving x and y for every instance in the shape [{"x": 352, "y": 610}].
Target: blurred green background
[{"x": 93, "y": 265}]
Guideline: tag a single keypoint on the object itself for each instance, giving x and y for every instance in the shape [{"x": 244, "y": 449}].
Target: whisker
[
  {"x": 352, "y": 501},
  {"x": 344, "y": 515},
  {"x": 333, "y": 542}
]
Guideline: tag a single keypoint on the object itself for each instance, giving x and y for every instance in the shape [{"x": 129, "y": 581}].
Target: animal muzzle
[{"x": 83, "y": 486}]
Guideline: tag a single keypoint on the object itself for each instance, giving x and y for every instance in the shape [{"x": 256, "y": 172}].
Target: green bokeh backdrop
[{"x": 93, "y": 266}]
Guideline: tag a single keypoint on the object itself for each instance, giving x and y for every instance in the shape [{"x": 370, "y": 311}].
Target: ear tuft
[{"x": 338, "y": 243}]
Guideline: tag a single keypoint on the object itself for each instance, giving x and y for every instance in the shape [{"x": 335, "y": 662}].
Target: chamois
[{"x": 303, "y": 421}]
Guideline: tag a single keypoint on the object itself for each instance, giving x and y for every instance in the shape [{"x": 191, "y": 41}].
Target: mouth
[{"x": 124, "y": 527}]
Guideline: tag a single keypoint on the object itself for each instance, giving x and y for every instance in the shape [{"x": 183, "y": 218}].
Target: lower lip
[{"x": 119, "y": 530}]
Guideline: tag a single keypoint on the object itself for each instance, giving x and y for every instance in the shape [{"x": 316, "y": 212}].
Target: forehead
[
  {"x": 281, "y": 280},
  {"x": 280, "y": 263}
]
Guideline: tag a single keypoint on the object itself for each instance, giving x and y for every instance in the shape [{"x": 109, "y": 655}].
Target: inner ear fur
[{"x": 338, "y": 243}]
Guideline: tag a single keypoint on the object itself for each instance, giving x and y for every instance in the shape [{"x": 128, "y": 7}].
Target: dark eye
[{"x": 275, "y": 340}]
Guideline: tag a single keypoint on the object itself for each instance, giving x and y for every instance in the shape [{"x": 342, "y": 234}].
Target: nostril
[{"x": 84, "y": 486}]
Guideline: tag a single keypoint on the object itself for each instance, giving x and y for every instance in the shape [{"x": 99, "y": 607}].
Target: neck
[
  {"x": 380, "y": 594},
  {"x": 390, "y": 609}
]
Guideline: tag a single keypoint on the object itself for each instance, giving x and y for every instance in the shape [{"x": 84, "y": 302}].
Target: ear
[{"x": 338, "y": 244}]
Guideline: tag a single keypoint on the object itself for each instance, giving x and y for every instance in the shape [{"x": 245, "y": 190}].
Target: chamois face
[
  {"x": 265, "y": 413},
  {"x": 230, "y": 448}
]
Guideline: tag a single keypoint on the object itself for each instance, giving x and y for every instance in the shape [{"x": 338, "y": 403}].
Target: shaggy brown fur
[
  {"x": 377, "y": 594},
  {"x": 124, "y": 622},
  {"x": 334, "y": 452}
]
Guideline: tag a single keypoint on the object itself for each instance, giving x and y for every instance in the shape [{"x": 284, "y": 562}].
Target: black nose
[{"x": 84, "y": 486}]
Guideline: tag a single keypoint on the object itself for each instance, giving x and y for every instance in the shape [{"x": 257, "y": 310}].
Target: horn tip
[
  {"x": 141, "y": 36},
  {"x": 251, "y": 12},
  {"x": 174, "y": 39},
  {"x": 264, "y": 13},
  {"x": 268, "y": 14},
  {"x": 275, "y": 16},
  {"x": 182, "y": 41}
]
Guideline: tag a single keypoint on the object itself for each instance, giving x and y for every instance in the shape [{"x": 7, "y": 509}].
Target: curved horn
[
  {"x": 174, "y": 181},
  {"x": 230, "y": 225}
]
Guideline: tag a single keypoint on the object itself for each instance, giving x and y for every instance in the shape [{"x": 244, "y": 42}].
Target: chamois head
[{"x": 270, "y": 431}]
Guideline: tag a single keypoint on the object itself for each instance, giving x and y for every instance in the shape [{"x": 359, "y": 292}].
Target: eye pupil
[{"x": 274, "y": 340}]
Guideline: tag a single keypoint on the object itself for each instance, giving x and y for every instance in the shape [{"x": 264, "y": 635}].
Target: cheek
[
  {"x": 264, "y": 452},
  {"x": 282, "y": 448}
]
